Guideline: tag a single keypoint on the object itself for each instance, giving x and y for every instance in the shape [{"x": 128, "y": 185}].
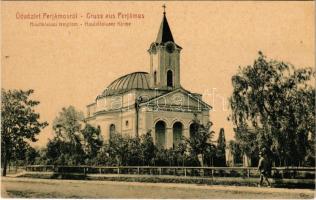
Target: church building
[{"x": 152, "y": 101}]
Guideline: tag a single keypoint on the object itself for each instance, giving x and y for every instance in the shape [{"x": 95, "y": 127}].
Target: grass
[{"x": 30, "y": 194}]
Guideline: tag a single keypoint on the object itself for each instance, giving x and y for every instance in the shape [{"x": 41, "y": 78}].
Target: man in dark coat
[{"x": 264, "y": 167}]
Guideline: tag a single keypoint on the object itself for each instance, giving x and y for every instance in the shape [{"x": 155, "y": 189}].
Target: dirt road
[{"x": 47, "y": 188}]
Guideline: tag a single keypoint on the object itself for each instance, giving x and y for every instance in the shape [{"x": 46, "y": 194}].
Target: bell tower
[{"x": 164, "y": 59}]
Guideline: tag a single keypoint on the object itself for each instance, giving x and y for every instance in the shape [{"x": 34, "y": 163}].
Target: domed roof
[{"x": 136, "y": 80}]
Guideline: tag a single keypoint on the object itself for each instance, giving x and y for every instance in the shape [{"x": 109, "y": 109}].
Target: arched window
[
  {"x": 169, "y": 78},
  {"x": 194, "y": 127},
  {"x": 155, "y": 77},
  {"x": 112, "y": 130},
  {"x": 177, "y": 133},
  {"x": 160, "y": 132}
]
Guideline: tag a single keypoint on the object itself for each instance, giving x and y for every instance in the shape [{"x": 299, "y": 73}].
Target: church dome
[{"x": 136, "y": 80}]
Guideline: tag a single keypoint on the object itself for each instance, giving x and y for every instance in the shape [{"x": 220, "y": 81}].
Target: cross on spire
[{"x": 164, "y": 8}]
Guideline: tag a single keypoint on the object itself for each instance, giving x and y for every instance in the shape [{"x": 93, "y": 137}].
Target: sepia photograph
[{"x": 158, "y": 99}]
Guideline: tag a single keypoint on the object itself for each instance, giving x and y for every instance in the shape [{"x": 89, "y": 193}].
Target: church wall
[
  {"x": 145, "y": 121},
  {"x": 91, "y": 109},
  {"x": 150, "y": 118},
  {"x": 205, "y": 118},
  {"x": 164, "y": 67},
  {"x": 104, "y": 121},
  {"x": 177, "y": 70},
  {"x": 126, "y": 100},
  {"x": 125, "y": 119},
  {"x": 128, "y": 123},
  {"x": 125, "y": 123}
]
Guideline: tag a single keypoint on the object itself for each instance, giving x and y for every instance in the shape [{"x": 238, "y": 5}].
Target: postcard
[{"x": 153, "y": 99}]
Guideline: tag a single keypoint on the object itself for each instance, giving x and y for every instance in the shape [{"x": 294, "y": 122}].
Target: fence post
[
  {"x": 185, "y": 171},
  {"x": 248, "y": 173},
  {"x": 118, "y": 170},
  {"x": 137, "y": 170},
  {"x": 213, "y": 173},
  {"x": 159, "y": 170}
]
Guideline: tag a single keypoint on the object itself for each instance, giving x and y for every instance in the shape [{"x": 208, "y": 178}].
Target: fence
[{"x": 278, "y": 172}]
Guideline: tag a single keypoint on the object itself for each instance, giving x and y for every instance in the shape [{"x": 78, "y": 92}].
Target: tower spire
[{"x": 164, "y": 33}]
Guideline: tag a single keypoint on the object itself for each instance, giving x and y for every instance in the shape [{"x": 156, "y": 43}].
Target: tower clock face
[{"x": 170, "y": 47}]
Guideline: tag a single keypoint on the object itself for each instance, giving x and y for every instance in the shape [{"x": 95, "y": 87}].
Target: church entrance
[
  {"x": 177, "y": 133},
  {"x": 160, "y": 131}
]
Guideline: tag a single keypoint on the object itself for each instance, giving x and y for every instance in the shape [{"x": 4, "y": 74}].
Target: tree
[
  {"x": 200, "y": 142},
  {"x": 66, "y": 147},
  {"x": 67, "y": 125},
  {"x": 181, "y": 152},
  {"x": 276, "y": 102},
  {"x": 148, "y": 148},
  {"x": 247, "y": 141},
  {"x": 31, "y": 155},
  {"x": 103, "y": 156},
  {"x": 221, "y": 148},
  {"x": 41, "y": 159},
  {"x": 135, "y": 156},
  {"x": 118, "y": 149},
  {"x": 235, "y": 151},
  {"x": 19, "y": 123},
  {"x": 92, "y": 141}
]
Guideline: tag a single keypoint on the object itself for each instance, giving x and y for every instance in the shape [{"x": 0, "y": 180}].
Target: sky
[{"x": 72, "y": 65}]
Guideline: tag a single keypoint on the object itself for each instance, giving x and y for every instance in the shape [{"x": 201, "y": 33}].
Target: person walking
[{"x": 264, "y": 168}]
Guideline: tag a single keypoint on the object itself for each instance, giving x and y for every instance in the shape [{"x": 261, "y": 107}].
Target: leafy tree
[
  {"x": 118, "y": 149},
  {"x": 277, "y": 101},
  {"x": 31, "y": 155},
  {"x": 135, "y": 156},
  {"x": 210, "y": 155},
  {"x": 41, "y": 159},
  {"x": 163, "y": 157},
  {"x": 148, "y": 148},
  {"x": 103, "y": 157},
  {"x": 19, "y": 123},
  {"x": 221, "y": 148},
  {"x": 310, "y": 154},
  {"x": 92, "y": 141},
  {"x": 200, "y": 141},
  {"x": 61, "y": 152},
  {"x": 66, "y": 147},
  {"x": 181, "y": 153},
  {"x": 53, "y": 151},
  {"x": 22, "y": 155},
  {"x": 68, "y": 124},
  {"x": 235, "y": 151}
]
